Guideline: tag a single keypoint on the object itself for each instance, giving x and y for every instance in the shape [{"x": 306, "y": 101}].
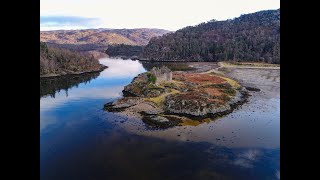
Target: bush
[
  {"x": 230, "y": 91},
  {"x": 151, "y": 78}
]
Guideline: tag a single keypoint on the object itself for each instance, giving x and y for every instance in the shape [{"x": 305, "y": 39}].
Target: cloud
[
  {"x": 278, "y": 174},
  {"x": 117, "y": 66},
  {"x": 247, "y": 158},
  {"x": 144, "y": 14},
  {"x": 76, "y": 94},
  {"x": 62, "y": 22}
]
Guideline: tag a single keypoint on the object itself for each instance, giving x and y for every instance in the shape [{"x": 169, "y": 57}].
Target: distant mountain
[
  {"x": 58, "y": 61},
  {"x": 99, "y": 39},
  {"x": 250, "y": 37}
]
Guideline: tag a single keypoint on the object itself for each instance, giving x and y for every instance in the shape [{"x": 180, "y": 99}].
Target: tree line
[
  {"x": 62, "y": 61},
  {"x": 250, "y": 37},
  {"x": 123, "y": 50}
]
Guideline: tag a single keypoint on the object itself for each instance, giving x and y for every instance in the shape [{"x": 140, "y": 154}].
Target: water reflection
[
  {"x": 78, "y": 140},
  {"x": 119, "y": 69},
  {"x": 65, "y": 98},
  {"x": 50, "y": 86},
  {"x": 254, "y": 125}
]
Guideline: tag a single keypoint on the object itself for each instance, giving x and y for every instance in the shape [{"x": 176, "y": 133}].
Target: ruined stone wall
[{"x": 162, "y": 74}]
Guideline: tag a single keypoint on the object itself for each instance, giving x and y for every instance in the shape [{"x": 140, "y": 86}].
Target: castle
[{"x": 162, "y": 74}]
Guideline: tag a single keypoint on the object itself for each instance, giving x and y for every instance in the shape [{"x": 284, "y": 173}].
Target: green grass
[
  {"x": 160, "y": 99},
  {"x": 230, "y": 92},
  {"x": 151, "y": 78},
  {"x": 232, "y": 82}
]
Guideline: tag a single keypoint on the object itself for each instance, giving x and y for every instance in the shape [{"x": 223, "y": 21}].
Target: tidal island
[{"x": 162, "y": 98}]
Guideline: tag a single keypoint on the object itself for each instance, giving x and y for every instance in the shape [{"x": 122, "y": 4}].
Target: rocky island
[{"x": 162, "y": 98}]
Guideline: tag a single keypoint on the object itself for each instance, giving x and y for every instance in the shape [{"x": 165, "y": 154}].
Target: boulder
[
  {"x": 156, "y": 121},
  {"x": 122, "y": 104}
]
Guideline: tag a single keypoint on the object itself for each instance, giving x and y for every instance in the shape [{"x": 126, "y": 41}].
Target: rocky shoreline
[
  {"x": 164, "y": 99},
  {"x": 156, "y": 121}
]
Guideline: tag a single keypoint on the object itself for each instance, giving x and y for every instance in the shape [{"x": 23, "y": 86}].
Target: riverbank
[
  {"x": 249, "y": 65},
  {"x": 103, "y": 67}
]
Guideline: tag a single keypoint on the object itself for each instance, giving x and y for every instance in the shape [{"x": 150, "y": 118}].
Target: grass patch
[
  {"x": 173, "y": 85},
  {"x": 155, "y": 87},
  {"x": 190, "y": 122},
  {"x": 232, "y": 82},
  {"x": 151, "y": 78},
  {"x": 250, "y": 64},
  {"x": 230, "y": 92},
  {"x": 225, "y": 98},
  {"x": 160, "y": 99},
  {"x": 218, "y": 86},
  {"x": 169, "y": 85}
]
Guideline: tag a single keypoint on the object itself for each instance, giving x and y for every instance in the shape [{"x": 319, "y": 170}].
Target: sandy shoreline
[
  {"x": 237, "y": 128},
  {"x": 222, "y": 65}
]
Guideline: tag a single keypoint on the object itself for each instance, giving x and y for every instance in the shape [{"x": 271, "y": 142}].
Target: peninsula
[{"x": 163, "y": 98}]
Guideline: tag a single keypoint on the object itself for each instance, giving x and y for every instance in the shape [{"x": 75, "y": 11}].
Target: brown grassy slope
[{"x": 101, "y": 37}]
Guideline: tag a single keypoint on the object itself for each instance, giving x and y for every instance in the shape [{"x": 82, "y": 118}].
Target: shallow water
[{"x": 78, "y": 140}]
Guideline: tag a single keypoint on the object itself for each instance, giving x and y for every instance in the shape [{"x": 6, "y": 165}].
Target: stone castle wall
[{"x": 162, "y": 74}]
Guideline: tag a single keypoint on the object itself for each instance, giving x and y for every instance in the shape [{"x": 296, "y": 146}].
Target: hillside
[
  {"x": 124, "y": 51},
  {"x": 98, "y": 39},
  {"x": 57, "y": 61},
  {"x": 250, "y": 37}
]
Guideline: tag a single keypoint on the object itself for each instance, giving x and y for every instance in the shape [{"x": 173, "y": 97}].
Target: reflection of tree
[{"x": 51, "y": 85}]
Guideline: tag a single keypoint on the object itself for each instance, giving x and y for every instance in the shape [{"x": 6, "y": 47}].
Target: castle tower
[{"x": 162, "y": 74}]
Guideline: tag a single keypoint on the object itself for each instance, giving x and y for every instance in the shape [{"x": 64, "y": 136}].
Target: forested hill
[
  {"x": 58, "y": 61},
  {"x": 250, "y": 37},
  {"x": 124, "y": 51}
]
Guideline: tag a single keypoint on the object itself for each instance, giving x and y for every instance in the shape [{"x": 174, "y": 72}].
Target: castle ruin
[{"x": 162, "y": 74}]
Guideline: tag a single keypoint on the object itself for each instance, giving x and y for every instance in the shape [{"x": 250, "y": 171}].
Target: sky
[{"x": 163, "y": 14}]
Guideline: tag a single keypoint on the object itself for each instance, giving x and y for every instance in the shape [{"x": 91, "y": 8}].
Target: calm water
[{"x": 78, "y": 140}]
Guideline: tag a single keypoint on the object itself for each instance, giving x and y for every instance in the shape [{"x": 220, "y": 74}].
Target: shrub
[
  {"x": 151, "y": 78},
  {"x": 230, "y": 91}
]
